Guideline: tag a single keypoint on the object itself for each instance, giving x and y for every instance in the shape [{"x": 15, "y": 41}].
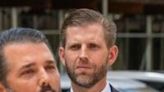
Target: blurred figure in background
[
  {"x": 26, "y": 62},
  {"x": 88, "y": 50}
]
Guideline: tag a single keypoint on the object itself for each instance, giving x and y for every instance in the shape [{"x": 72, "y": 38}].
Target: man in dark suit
[{"x": 87, "y": 50}]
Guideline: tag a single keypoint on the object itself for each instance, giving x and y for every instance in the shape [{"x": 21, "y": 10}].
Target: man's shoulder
[{"x": 112, "y": 89}]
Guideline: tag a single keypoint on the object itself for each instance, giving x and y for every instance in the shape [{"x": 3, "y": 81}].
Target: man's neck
[{"x": 98, "y": 87}]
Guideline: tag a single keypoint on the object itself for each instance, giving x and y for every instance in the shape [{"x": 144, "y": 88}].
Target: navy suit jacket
[{"x": 113, "y": 89}]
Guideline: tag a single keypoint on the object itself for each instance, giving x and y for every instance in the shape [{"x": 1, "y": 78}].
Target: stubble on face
[
  {"x": 44, "y": 88},
  {"x": 85, "y": 79},
  {"x": 47, "y": 88}
]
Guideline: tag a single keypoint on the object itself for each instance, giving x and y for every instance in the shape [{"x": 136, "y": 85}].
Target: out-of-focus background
[{"x": 140, "y": 27}]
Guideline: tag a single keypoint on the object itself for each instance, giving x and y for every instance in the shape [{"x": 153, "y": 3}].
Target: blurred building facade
[{"x": 140, "y": 26}]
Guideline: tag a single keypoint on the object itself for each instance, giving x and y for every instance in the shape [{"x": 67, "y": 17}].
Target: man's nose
[
  {"x": 83, "y": 57},
  {"x": 83, "y": 52},
  {"x": 43, "y": 78}
]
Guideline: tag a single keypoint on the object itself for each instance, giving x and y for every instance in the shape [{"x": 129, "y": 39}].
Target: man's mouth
[
  {"x": 47, "y": 88},
  {"x": 83, "y": 66}
]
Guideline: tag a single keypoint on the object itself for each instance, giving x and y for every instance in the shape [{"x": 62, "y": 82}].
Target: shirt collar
[{"x": 106, "y": 89}]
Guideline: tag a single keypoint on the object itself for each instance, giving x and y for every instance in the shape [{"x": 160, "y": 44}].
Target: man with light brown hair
[{"x": 88, "y": 49}]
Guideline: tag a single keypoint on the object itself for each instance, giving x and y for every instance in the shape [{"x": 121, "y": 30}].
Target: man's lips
[
  {"x": 83, "y": 69},
  {"x": 83, "y": 66}
]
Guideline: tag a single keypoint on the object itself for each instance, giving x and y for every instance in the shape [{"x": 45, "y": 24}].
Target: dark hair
[
  {"x": 82, "y": 17},
  {"x": 17, "y": 35}
]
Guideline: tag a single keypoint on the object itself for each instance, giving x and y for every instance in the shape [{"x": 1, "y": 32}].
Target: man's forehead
[
  {"x": 18, "y": 55},
  {"x": 92, "y": 33},
  {"x": 20, "y": 46}
]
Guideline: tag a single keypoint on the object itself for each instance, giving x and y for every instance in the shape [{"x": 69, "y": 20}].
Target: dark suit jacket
[{"x": 112, "y": 89}]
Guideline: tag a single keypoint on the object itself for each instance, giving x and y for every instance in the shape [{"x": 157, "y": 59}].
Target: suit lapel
[{"x": 113, "y": 89}]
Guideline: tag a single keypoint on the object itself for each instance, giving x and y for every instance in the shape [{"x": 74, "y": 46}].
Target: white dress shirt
[{"x": 106, "y": 89}]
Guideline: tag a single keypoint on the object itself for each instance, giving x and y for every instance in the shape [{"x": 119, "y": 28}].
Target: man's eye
[
  {"x": 93, "y": 46},
  {"x": 28, "y": 72},
  {"x": 50, "y": 67},
  {"x": 75, "y": 47}
]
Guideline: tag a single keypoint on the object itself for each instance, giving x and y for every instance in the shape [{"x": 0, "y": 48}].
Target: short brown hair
[{"x": 81, "y": 17}]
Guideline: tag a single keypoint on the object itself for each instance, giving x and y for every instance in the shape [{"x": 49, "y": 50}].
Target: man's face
[
  {"x": 31, "y": 68},
  {"x": 86, "y": 55}
]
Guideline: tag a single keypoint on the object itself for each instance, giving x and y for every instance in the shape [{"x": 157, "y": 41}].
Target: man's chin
[{"x": 84, "y": 79}]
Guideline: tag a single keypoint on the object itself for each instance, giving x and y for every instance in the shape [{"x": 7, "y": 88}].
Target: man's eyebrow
[
  {"x": 50, "y": 62},
  {"x": 27, "y": 66}
]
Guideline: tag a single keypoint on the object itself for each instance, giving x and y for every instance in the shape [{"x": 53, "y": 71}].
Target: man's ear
[
  {"x": 113, "y": 53},
  {"x": 2, "y": 88},
  {"x": 61, "y": 53}
]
